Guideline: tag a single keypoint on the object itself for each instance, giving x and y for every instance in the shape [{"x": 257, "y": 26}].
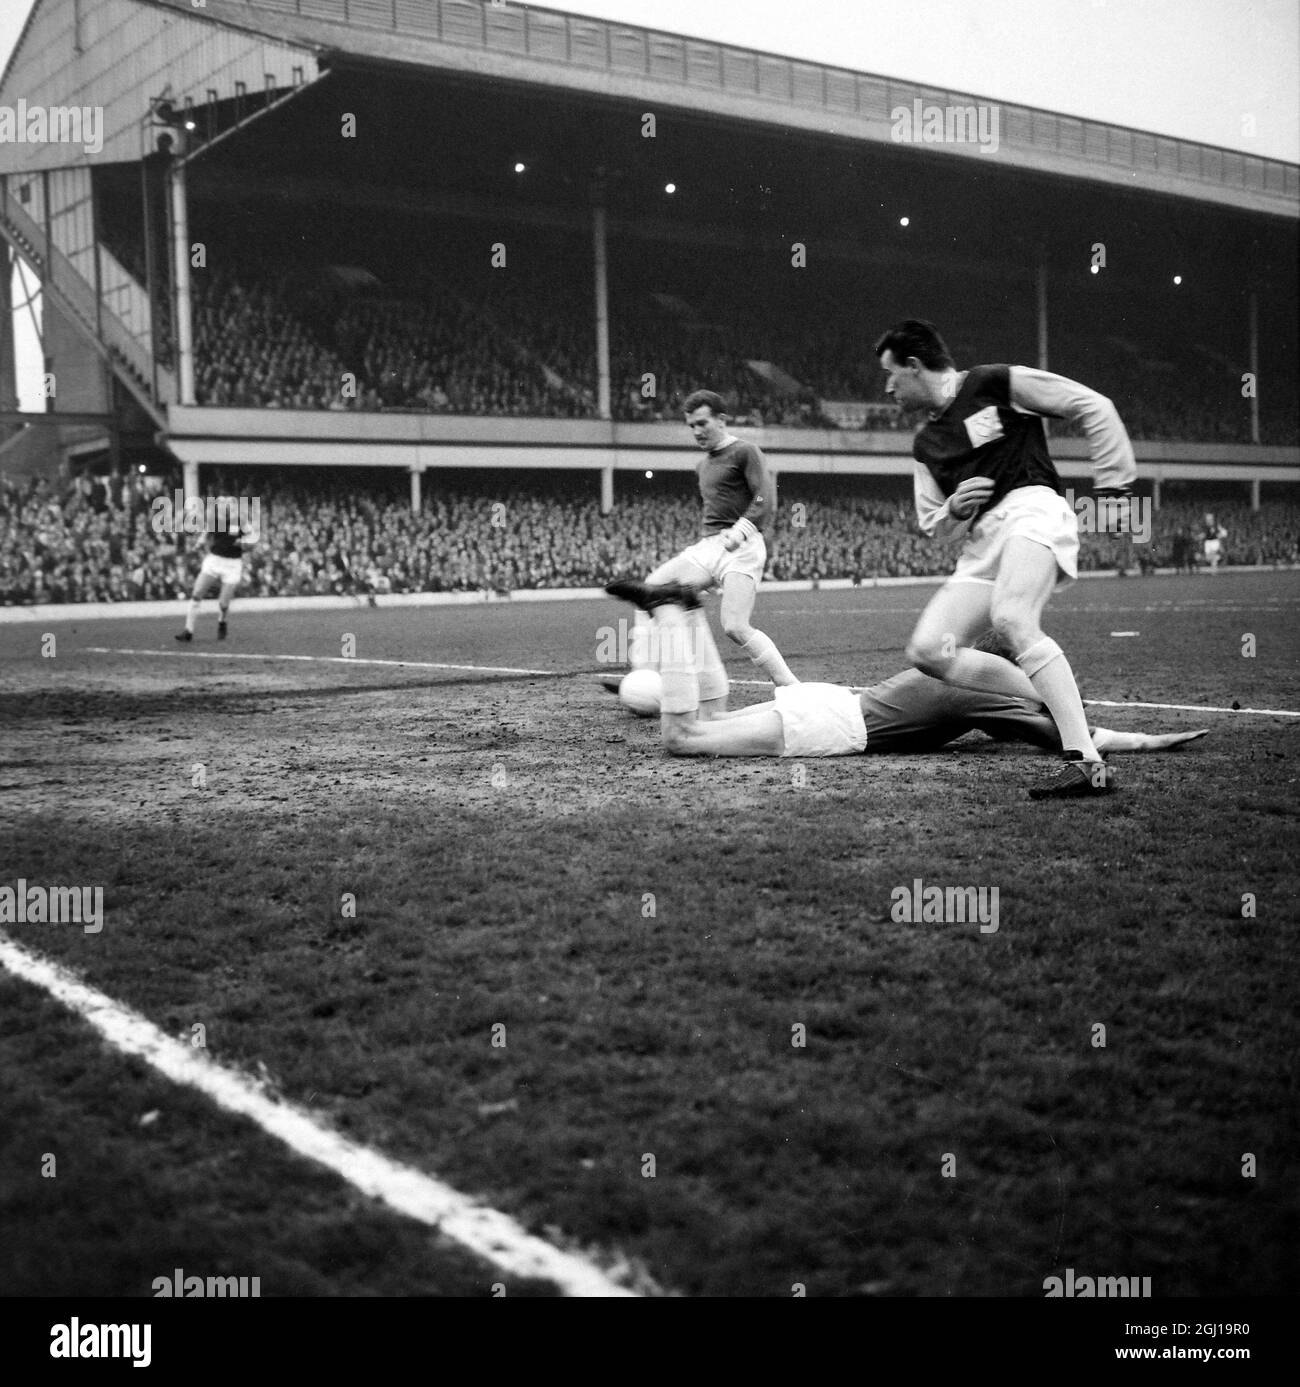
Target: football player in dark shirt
[
  {"x": 983, "y": 471},
  {"x": 1212, "y": 536},
  {"x": 739, "y": 494},
  {"x": 223, "y": 565}
]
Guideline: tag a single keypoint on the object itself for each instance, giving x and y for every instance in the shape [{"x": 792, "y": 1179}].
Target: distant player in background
[
  {"x": 1212, "y": 536},
  {"x": 739, "y": 494},
  {"x": 223, "y": 566},
  {"x": 1184, "y": 551},
  {"x": 983, "y": 471}
]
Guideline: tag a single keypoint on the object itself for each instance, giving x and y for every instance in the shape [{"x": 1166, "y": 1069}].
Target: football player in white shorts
[
  {"x": 1212, "y": 536},
  {"x": 983, "y": 472},
  {"x": 738, "y": 490},
  {"x": 222, "y": 567}
]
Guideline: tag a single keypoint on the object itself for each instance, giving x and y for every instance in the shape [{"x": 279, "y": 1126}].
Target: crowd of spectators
[
  {"x": 94, "y": 540},
  {"x": 251, "y": 349},
  {"x": 1267, "y": 537},
  {"x": 301, "y": 342},
  {"x": 448, "y": 329},
  {"x": 455, "y": 341},
  {"x": 291, "y": 342},
  {"x": 76, "y": 542}
]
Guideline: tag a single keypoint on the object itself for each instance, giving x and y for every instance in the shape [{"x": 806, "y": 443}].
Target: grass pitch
[{"x": 647, "y": 942}]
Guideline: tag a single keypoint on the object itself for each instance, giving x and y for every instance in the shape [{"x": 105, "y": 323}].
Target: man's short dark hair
[
  {"x": 915, "y": 337},
  {"x": 716, "y": 404}
]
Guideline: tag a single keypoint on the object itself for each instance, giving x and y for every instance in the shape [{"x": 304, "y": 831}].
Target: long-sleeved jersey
[
  {"x": 227, "y": 543},
  {"x": 993, "y": 427},
  {"x": 737, "y": 484}
]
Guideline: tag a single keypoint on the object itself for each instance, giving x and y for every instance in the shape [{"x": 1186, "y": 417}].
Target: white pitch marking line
[
  {"x": 1192, "y": 708},
  {"x": 315, "y": 659},
  {"x": 1057, "y": 609},
  {"x": 489, "y": 1234},
  {"x": 1100, "y": 702},
  {"x": 558, "y": 673}
]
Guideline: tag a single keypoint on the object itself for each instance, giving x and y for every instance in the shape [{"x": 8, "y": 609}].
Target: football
[{"x": 642, "y": 692}]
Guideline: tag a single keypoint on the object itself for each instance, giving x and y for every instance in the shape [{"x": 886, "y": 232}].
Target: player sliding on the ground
[
  {"x": 908, "y": 713},
  {"x": 223, "y": 565},
  {"x": 983, "y": 471},
  {"x": 739, "y": 494}
]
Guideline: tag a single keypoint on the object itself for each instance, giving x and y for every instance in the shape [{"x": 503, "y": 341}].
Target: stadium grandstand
[{"x": 378, "y": 260}]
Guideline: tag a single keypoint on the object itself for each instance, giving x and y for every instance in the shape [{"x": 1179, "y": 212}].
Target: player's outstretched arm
[
  {"x": 1059, "y": 397},
  {"x": 756, "y": 731}
]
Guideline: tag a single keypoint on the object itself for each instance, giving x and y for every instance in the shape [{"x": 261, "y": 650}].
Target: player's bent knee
[
  {"x": 928, "y": 658},
  {"x": 1015, "y": 630}
]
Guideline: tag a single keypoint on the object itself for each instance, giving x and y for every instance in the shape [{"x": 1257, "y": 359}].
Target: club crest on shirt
[{"x": 983, "y": 427}]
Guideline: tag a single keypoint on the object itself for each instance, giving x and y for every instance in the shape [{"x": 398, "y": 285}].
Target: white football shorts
[
  {"x": 227, "y": 570},
  {"x": 710, "y": 556},
  {"x": 820, "y": 720},
  {"x": 1033, "y": 512}
]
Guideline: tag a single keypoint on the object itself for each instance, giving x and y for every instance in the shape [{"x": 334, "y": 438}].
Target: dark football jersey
[
  {"x": 980, "y": 434},
  {"x": 736, "y": 483},
  {"x": 225, "y": 543}
]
